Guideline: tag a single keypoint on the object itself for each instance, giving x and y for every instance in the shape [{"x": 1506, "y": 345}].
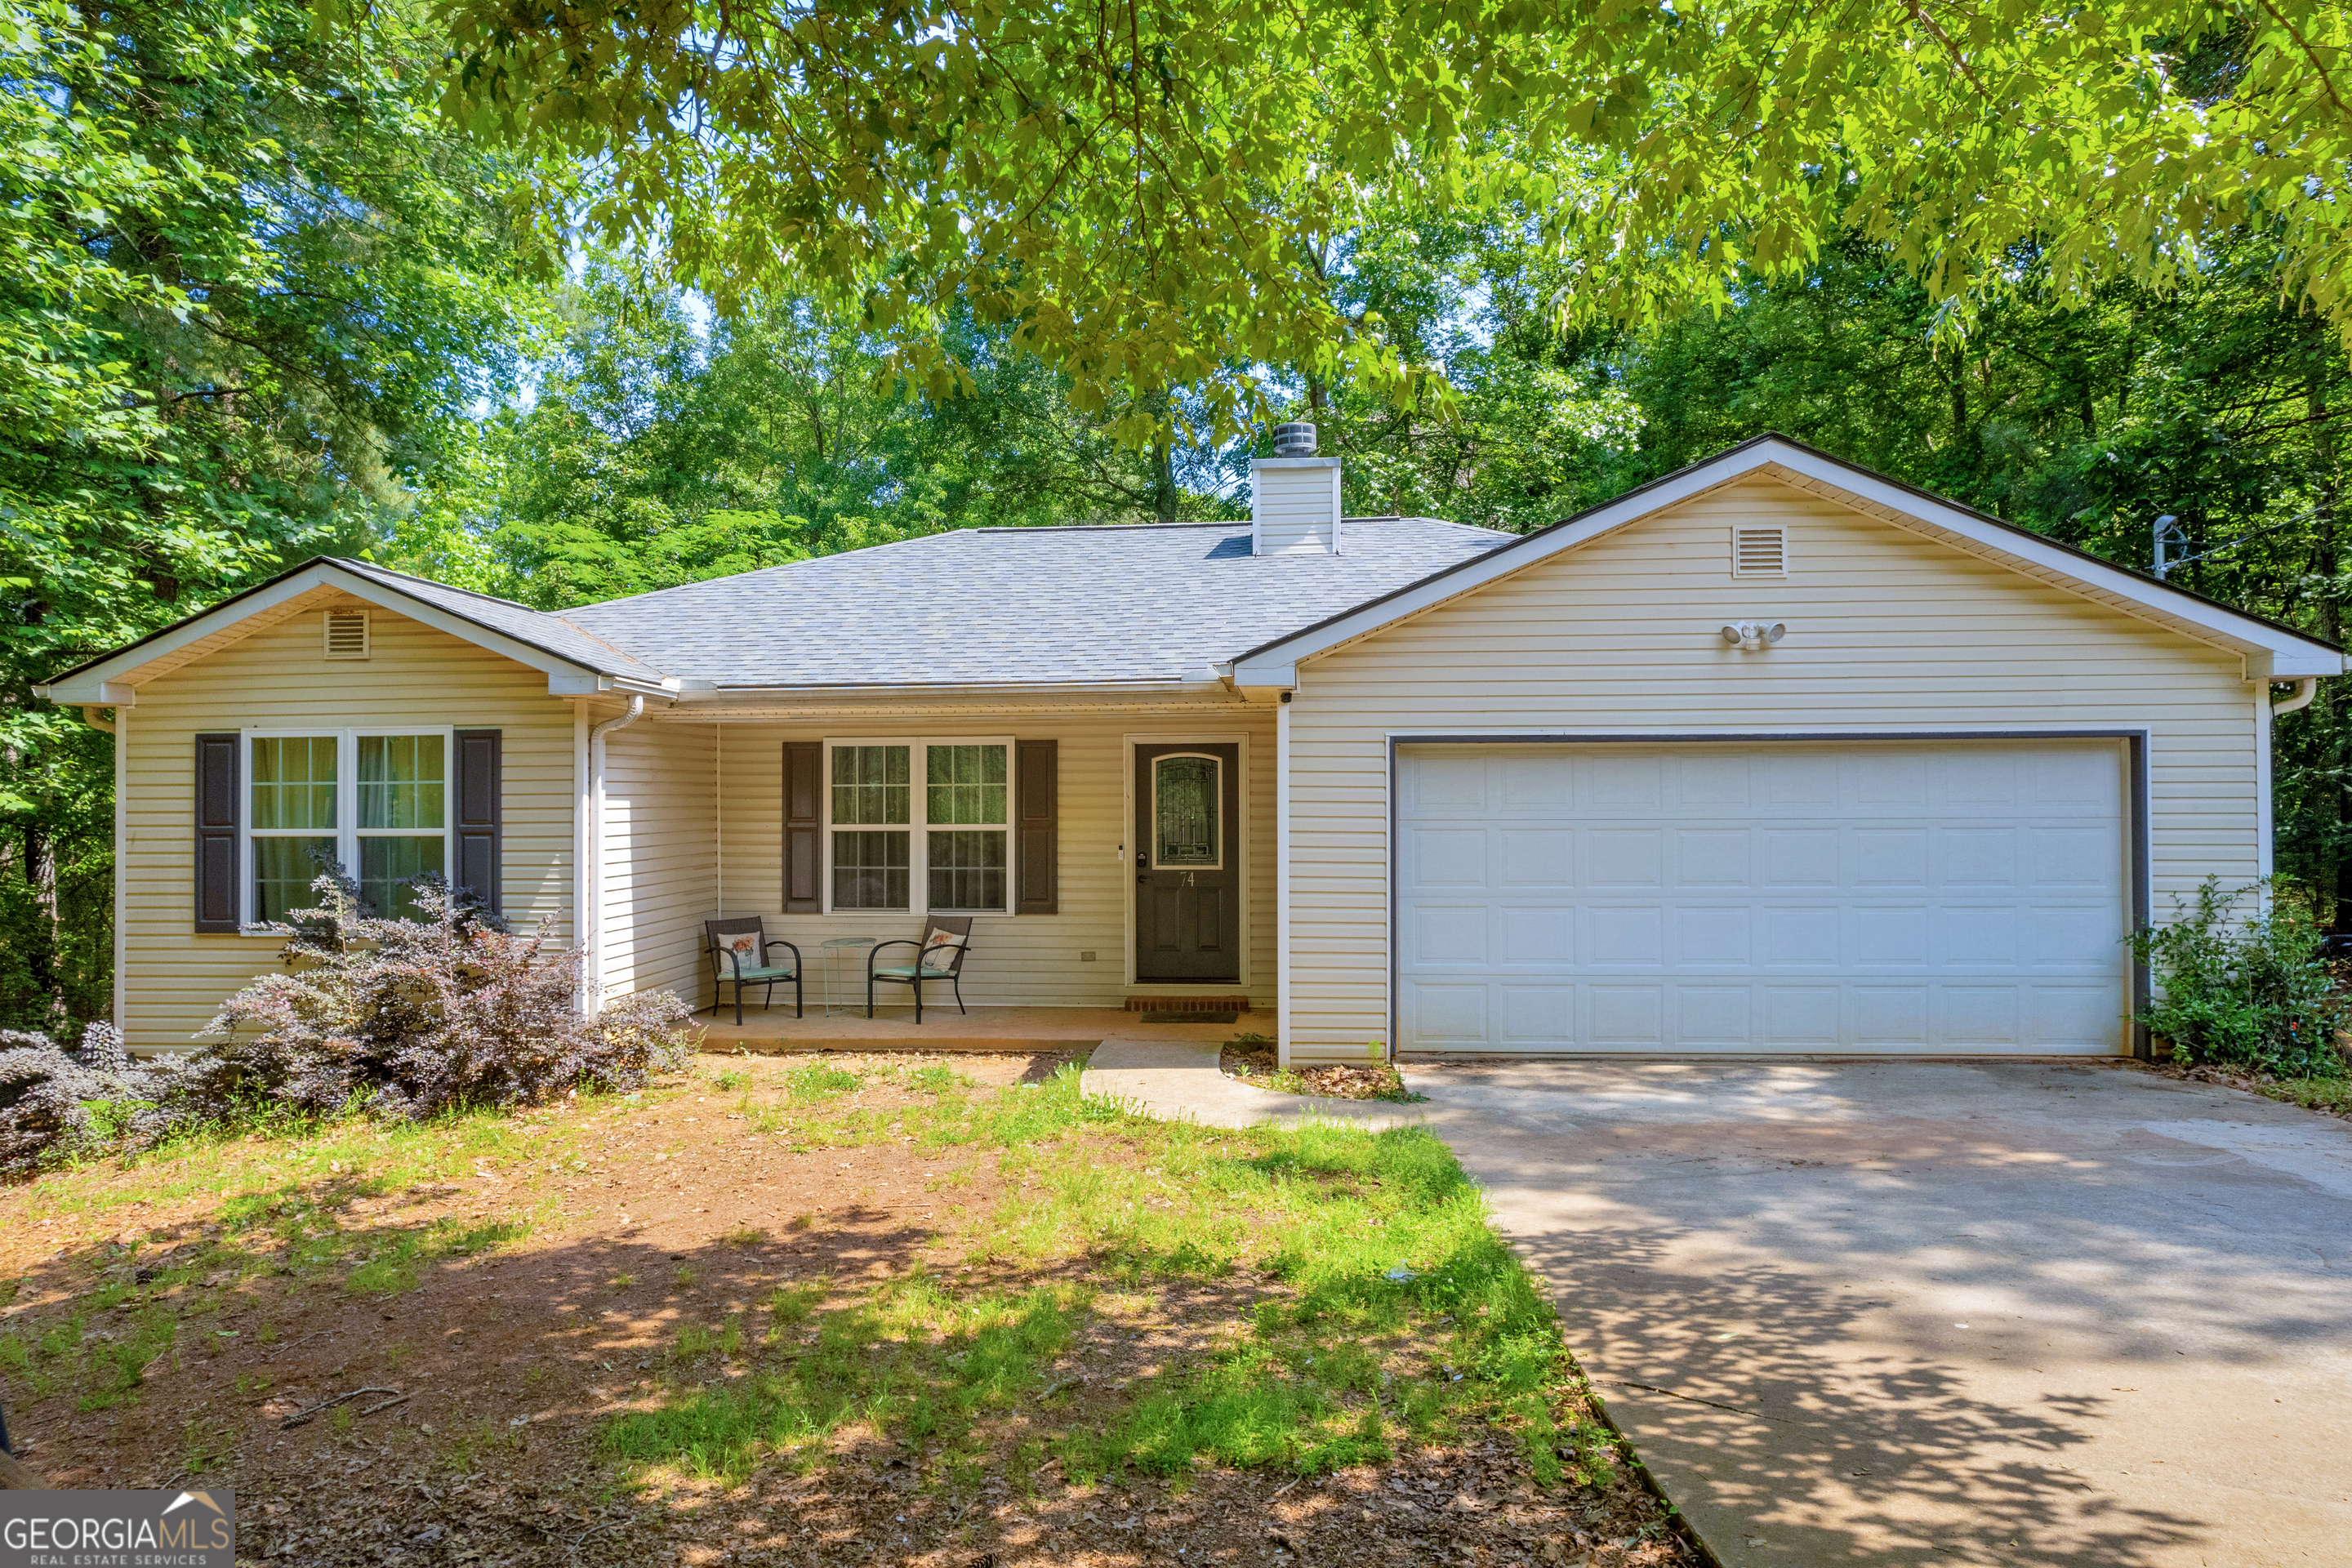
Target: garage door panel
[
  {"x": 1716, "y": 938},
  {"x": 1536, "y": 1018},
  {"x": 1899, "y": 897},
  {"x": 1885, "y": 936},
  {"x": 1627, "y": 1017},
  {"x": 1451, "y": 1016},
  {"x": 1625, "y": 934},
  {"x": 2071, "y": 856},
  {"x": 1711, "y": 856},
  {"x": 1448, "y": 858},
  {"x": 1801, "y": 856},
  {"x": 1624, "y": 857},
  {"x": 1979, "y": 1014},
  {"x": 1800, "y": 1016},
  {"x": 1712, "y": 1015},
  {"x": 1801, "y": 936},
  {"x": 1975, "y": 938},
  {"x": 1540, "y": 936},
  {"x": 1889, "y": 857},
  {"x": 1537, "y": 858},
  {"x": 1450, "y": 934}
]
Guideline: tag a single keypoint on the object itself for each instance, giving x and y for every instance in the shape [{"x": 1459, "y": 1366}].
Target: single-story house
[{"x": 1774, "y": 754}]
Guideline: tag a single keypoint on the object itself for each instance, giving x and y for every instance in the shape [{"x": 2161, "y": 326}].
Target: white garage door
[{"x": 1963, "y": 897}]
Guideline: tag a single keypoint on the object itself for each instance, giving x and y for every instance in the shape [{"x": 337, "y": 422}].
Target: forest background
[{"x": 280, "y": 284}]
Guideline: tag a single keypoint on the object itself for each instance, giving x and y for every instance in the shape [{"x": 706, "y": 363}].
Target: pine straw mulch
[
  {"x": 516, "y": 1359},
  {"x": 1259, "y": 1066}
]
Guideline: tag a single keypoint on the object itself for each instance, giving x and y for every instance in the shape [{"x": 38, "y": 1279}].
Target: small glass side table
[{"x": 834, "y": 949}]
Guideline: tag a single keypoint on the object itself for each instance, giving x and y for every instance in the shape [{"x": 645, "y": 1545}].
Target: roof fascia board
[
  {"x": 2290, "y": 655},
  {"x": 89, "y": 683},
  {"x": 1276, "y": 664}
]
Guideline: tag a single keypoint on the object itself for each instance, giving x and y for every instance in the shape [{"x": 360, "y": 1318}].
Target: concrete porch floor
[{"x": 944, "y": 1029}]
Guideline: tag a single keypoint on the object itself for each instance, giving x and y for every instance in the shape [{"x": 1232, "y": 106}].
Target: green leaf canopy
[{"x": 1148, "y": 192}]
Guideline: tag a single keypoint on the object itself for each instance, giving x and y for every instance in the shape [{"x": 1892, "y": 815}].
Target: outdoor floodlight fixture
[{"x": 1755, "y": 636}]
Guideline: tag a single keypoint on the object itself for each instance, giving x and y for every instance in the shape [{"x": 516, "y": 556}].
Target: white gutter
[
  {"x": 2305, "y": 690},
  {"x": 593, "y": 917}
]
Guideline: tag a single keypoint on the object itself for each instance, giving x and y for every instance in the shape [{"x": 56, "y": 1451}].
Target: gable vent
[
  {"x": 347, "y": 634},
  {"x": 1760, "y": 551}
]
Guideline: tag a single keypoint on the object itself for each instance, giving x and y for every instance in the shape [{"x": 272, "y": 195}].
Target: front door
[{"x": 1188, "y": 883}]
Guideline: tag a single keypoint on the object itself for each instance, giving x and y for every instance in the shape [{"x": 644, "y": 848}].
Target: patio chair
[
  {"x": 938, "y": 956},
  {"x": 738, "y": 955}
]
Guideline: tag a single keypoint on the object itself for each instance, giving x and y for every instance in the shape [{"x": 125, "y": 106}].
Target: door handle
[{"x": 1140, "y": 880}]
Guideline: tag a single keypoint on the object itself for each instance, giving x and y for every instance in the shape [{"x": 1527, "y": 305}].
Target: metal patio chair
[
  {"x": 728, "y": 951},
  {"x": 941, "y": 933}
]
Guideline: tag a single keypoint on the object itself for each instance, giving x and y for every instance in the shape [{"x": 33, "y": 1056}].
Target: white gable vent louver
[
  {"x": 1760, "y": 552},
  {"x": 347, "y": 634}
]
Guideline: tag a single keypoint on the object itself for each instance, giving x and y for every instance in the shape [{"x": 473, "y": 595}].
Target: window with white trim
[
  {"x": 375, "y": 803},
  {"x": 919, "y": 826}
]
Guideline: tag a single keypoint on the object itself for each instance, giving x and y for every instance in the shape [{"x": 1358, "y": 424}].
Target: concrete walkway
[
  {"x": 1933, "y": 1314},
  {"x": 1178, "y": 1080}
]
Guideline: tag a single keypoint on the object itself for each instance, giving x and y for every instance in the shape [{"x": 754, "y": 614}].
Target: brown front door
[{"x": 1187, "y": 875}]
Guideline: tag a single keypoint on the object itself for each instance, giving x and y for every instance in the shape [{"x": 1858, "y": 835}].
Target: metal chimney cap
[{"x": 1294, "y": 439}]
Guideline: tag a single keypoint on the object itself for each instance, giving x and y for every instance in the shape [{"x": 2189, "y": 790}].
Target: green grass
[
  {"x": 1385, "y": 1310},
  {"x": 2331, "y": 1094}
]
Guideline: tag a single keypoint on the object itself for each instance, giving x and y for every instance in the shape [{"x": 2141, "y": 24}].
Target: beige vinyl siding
[
  {"x": 1016, "y": 960},
  {"x": 173, "y": 980},
  {"x": 1887, "y": 631},
  {"x": 661, "y": 855}
]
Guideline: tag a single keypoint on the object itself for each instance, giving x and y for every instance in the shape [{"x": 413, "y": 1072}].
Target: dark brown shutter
[
  {"x": 480, "y": 789},
  {"x": 216, "y": 813},
  {"x": 1036, "y": 817},
  {"x": 804, "y": 827}
]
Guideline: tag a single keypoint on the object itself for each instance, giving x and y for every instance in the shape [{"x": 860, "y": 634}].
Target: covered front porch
[
  {"x": 1108, "y": 864},
  {"x": 774, "y": 1029}
]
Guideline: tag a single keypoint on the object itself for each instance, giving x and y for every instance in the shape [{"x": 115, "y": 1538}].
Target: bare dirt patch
[{"x": 523, "y": 1287}]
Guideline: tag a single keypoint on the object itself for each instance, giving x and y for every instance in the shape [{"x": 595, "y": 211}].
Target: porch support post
[
  {"x": 583, "y": 858},
  {"x": 1282, "y": 879}
]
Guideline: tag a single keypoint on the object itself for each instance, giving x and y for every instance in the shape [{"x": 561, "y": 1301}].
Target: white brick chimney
[{"x": 1294, "y": 498}]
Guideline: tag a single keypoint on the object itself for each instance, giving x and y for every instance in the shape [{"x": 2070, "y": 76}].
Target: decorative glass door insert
[{"x": 1186, "y": 793}]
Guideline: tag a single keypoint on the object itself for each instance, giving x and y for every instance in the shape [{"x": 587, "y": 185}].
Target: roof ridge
[{"x": 371, "y": 567}]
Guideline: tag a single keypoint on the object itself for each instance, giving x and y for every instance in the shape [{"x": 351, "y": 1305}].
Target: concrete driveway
[{"x": 1939, "y": 1313}]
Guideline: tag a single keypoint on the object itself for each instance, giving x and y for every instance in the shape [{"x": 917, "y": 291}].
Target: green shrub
[{"x": 2245, "y": 989}]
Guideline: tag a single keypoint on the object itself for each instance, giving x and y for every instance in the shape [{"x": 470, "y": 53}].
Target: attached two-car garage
[{"x": 1965, "y": 896}]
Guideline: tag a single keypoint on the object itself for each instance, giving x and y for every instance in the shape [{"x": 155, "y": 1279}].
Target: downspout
[
  {"x": 90, "y": 712},
  {"x": 594, "y": 914},
  {"x": 2304, "y": 690}
]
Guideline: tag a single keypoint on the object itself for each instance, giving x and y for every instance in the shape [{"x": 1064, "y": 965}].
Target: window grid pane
[
  {"x": 966, "y": 785},
  {"x": 386, "y": 866},
  {"x": 871, "y": 870},
  {"x": 294, "y": 782},
  {"x": 967, "y": 870},
  {"x": 400, "y": 779},
  {"x": 870, "y": 784},
  {"x": 1184, "y": 810},
  {"x": 283, "y": 869}
]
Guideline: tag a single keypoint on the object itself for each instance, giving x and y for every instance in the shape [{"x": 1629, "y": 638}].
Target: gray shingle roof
[
  {"x": 558, "y": 634},
  {"x": 1019, "y": 605}
]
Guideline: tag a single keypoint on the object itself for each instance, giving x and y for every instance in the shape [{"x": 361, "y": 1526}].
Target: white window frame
[
  {"x": 348, "y": 833},
  {"x": 917, "y": 831}
]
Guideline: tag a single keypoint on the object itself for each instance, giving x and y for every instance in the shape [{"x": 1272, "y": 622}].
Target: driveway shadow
[{"x": 1943, "y": 1315}]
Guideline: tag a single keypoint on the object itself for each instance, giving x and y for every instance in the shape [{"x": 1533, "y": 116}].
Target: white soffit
[{"x": 2269, "y": 650}]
